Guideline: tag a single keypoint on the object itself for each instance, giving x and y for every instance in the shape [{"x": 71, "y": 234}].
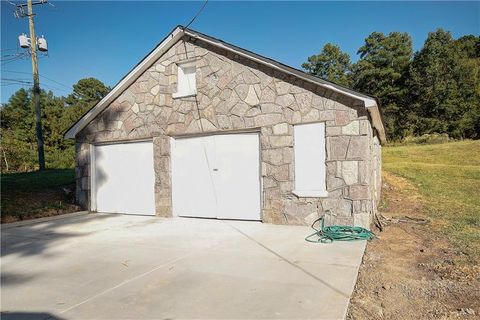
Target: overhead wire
[
  {"x": 54, "y": 88},
  {"x": 7, "y": 61},
  {"x": 10, "y": 55},
  {"x": 13, "y": 84},
  {"x": 14, "y": 56},
  {"x": 210, "y": 169},
  {"x": 10, "y": 79},
  {"x": 41, "y": 76},
  {"x": 27, "y": 82},
  {"x": 198, "y": 13}
]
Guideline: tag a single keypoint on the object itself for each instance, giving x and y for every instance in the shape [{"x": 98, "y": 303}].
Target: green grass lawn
[
  {"x": 31, "y": 181},
  {"x": 36, "y": 194},
  {"x": 448, "y": 179}
]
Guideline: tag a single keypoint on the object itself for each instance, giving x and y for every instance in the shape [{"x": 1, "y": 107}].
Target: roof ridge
[{"x": 370, "y": 103}]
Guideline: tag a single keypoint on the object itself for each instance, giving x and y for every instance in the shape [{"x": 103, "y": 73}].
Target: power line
[
  {"x": 10, "y": 79},
  {"x": 12, "y": 60},
  {"x": 11, "y": 71},
  {"x": 188, "y": 24},
  {"x": 42, "y": 76},
  {"x": 17, "y": 82},
  {"x": 19, "y": 55},
  {"x": 55, "y": 81},
  {"x": 10, "y": 55},
  {"x": 45, "y": 77},
  {"x": 13, "y": 84},
  {"x": 55, "y": 88},
  {"x": 198, "y": 13},
  {"x": 24, "y": 81}
]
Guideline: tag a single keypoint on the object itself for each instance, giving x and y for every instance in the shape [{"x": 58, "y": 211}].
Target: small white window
[
  {"x": 186, "y": 83},
  {"x": 310, "y": 167}
]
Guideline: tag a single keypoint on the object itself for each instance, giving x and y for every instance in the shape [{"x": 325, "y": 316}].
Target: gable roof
[{"x": 371, "y": 104}]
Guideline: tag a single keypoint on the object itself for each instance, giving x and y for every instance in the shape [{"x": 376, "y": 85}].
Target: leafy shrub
[{"x": 432, "y": 138}]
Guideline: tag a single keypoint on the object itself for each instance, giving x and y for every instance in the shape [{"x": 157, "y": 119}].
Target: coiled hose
[{"x": 327, "y": 234}]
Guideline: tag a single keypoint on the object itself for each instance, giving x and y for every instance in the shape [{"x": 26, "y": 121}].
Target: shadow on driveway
[
  {"x": 28, "y": 316},
  {"x": 37, "y": 237}
]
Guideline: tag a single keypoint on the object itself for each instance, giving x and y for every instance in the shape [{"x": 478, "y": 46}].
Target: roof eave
[
  {"x": 377, "y": 122},
  {"x": 370, "y": 103}
]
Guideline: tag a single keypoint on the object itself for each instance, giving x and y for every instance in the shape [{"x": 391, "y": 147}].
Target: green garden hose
[{"x": 337, "y": 233}]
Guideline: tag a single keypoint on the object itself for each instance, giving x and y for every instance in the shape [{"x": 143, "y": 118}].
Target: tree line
[
  {"x": 17, "y": 119},
  {"x": 435, "y": 90}
]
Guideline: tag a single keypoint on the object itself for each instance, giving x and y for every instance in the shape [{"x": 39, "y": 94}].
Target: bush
[
  {"x": 428, "y": 139},
  {"x": 433, "y": 138}
]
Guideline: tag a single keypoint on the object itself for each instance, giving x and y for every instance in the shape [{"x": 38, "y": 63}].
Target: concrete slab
[{"x": 102, "y": 266}]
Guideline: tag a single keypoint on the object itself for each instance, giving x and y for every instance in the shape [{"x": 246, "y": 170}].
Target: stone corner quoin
[{"x": 235, "y": 93}]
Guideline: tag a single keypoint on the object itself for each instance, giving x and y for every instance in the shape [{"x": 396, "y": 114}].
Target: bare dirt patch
[
  {"x": 37, "y": 194},
  {"x": 38, "y": 204},
  {"x": 411, "y": 271}
]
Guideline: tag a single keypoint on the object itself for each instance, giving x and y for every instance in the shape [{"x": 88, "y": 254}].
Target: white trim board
[{"x": 370, "y": 103}]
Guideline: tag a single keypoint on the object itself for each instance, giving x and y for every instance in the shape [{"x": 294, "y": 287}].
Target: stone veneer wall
[{"x": 234, "y": 93}]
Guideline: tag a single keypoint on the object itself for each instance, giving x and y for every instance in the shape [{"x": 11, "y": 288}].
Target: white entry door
[
  {"x": 123, "y": 178},
  {"x": 216, "y": 176}
]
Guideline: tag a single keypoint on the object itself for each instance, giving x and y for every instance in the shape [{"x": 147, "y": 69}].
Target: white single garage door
[
  {"x": 123, "y": 178},
  {"x": 216, "y": 176}
]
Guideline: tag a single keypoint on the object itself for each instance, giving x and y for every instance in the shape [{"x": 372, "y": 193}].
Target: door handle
[{"x": 215, "y": 169}]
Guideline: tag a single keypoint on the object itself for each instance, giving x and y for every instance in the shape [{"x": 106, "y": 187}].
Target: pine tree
[
  {"x": 330, "y": 64},
  {"x": 58, "y": 114},
  {"x": 381, "y": 71},
  {"x": 444, "y": 86}
]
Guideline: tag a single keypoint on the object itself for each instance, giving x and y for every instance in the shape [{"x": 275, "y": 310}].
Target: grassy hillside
[
  {"x": 447, "y": 176},
  {"x": 37, "y": 194}
]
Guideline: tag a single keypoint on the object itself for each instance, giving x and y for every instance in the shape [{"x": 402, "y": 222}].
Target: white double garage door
[{"x": 214, "y": 176}]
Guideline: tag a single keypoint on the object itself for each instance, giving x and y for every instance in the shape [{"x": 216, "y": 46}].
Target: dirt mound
[{"x": 410, "y": 271}]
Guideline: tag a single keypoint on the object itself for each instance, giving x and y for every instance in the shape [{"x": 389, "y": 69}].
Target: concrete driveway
[{"x": 100, "y": 266}]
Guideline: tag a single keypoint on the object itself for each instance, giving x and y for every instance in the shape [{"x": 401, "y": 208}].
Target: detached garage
[{"x": 202, "y": 128}]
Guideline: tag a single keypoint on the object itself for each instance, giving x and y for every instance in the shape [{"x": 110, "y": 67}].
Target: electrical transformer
[
  {"x": 42, "y": 44},
  {"x": 24, "y": 41}
]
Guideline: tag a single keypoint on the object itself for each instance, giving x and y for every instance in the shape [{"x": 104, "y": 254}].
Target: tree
[
  {"x": 467, "y": 49},
  {"x": 444, "y": 86},
  {"x": 88, "y": 90},
  {"x": 18, "y": 132},
  {"x": 86, "y": 93},
  {"x": 381, "y": 71},
  {"x": 58, "y": 114},
  {"x": 330, "y": 64}
]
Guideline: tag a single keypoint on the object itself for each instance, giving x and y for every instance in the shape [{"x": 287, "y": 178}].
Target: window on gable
[
  {"x": 186, "y": 82},
  {"x": 310, "y": 166}
]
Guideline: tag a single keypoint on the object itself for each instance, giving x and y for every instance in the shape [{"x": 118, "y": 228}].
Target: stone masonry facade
[{"x": 236, "y": 94}]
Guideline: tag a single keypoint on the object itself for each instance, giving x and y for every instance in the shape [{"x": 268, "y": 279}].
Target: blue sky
[{"x": 106, "y": 39}]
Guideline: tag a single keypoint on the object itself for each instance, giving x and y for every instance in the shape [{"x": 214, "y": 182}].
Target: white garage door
[
  {"x": 216, "y": 176},
  {"x": 123, "y": 178}
]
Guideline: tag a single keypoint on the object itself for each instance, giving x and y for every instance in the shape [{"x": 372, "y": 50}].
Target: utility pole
[
  {"x": 36, "y": 87},
  {"x": 20, "y": 12}
]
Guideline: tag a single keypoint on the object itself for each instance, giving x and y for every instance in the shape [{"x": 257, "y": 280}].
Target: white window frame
[
  {"x": 310, "y": 160},
  {"x": 184, "y": 69}
]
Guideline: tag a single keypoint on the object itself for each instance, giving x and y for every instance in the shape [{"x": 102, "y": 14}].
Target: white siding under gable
[{"x": 310, "y": 167}]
